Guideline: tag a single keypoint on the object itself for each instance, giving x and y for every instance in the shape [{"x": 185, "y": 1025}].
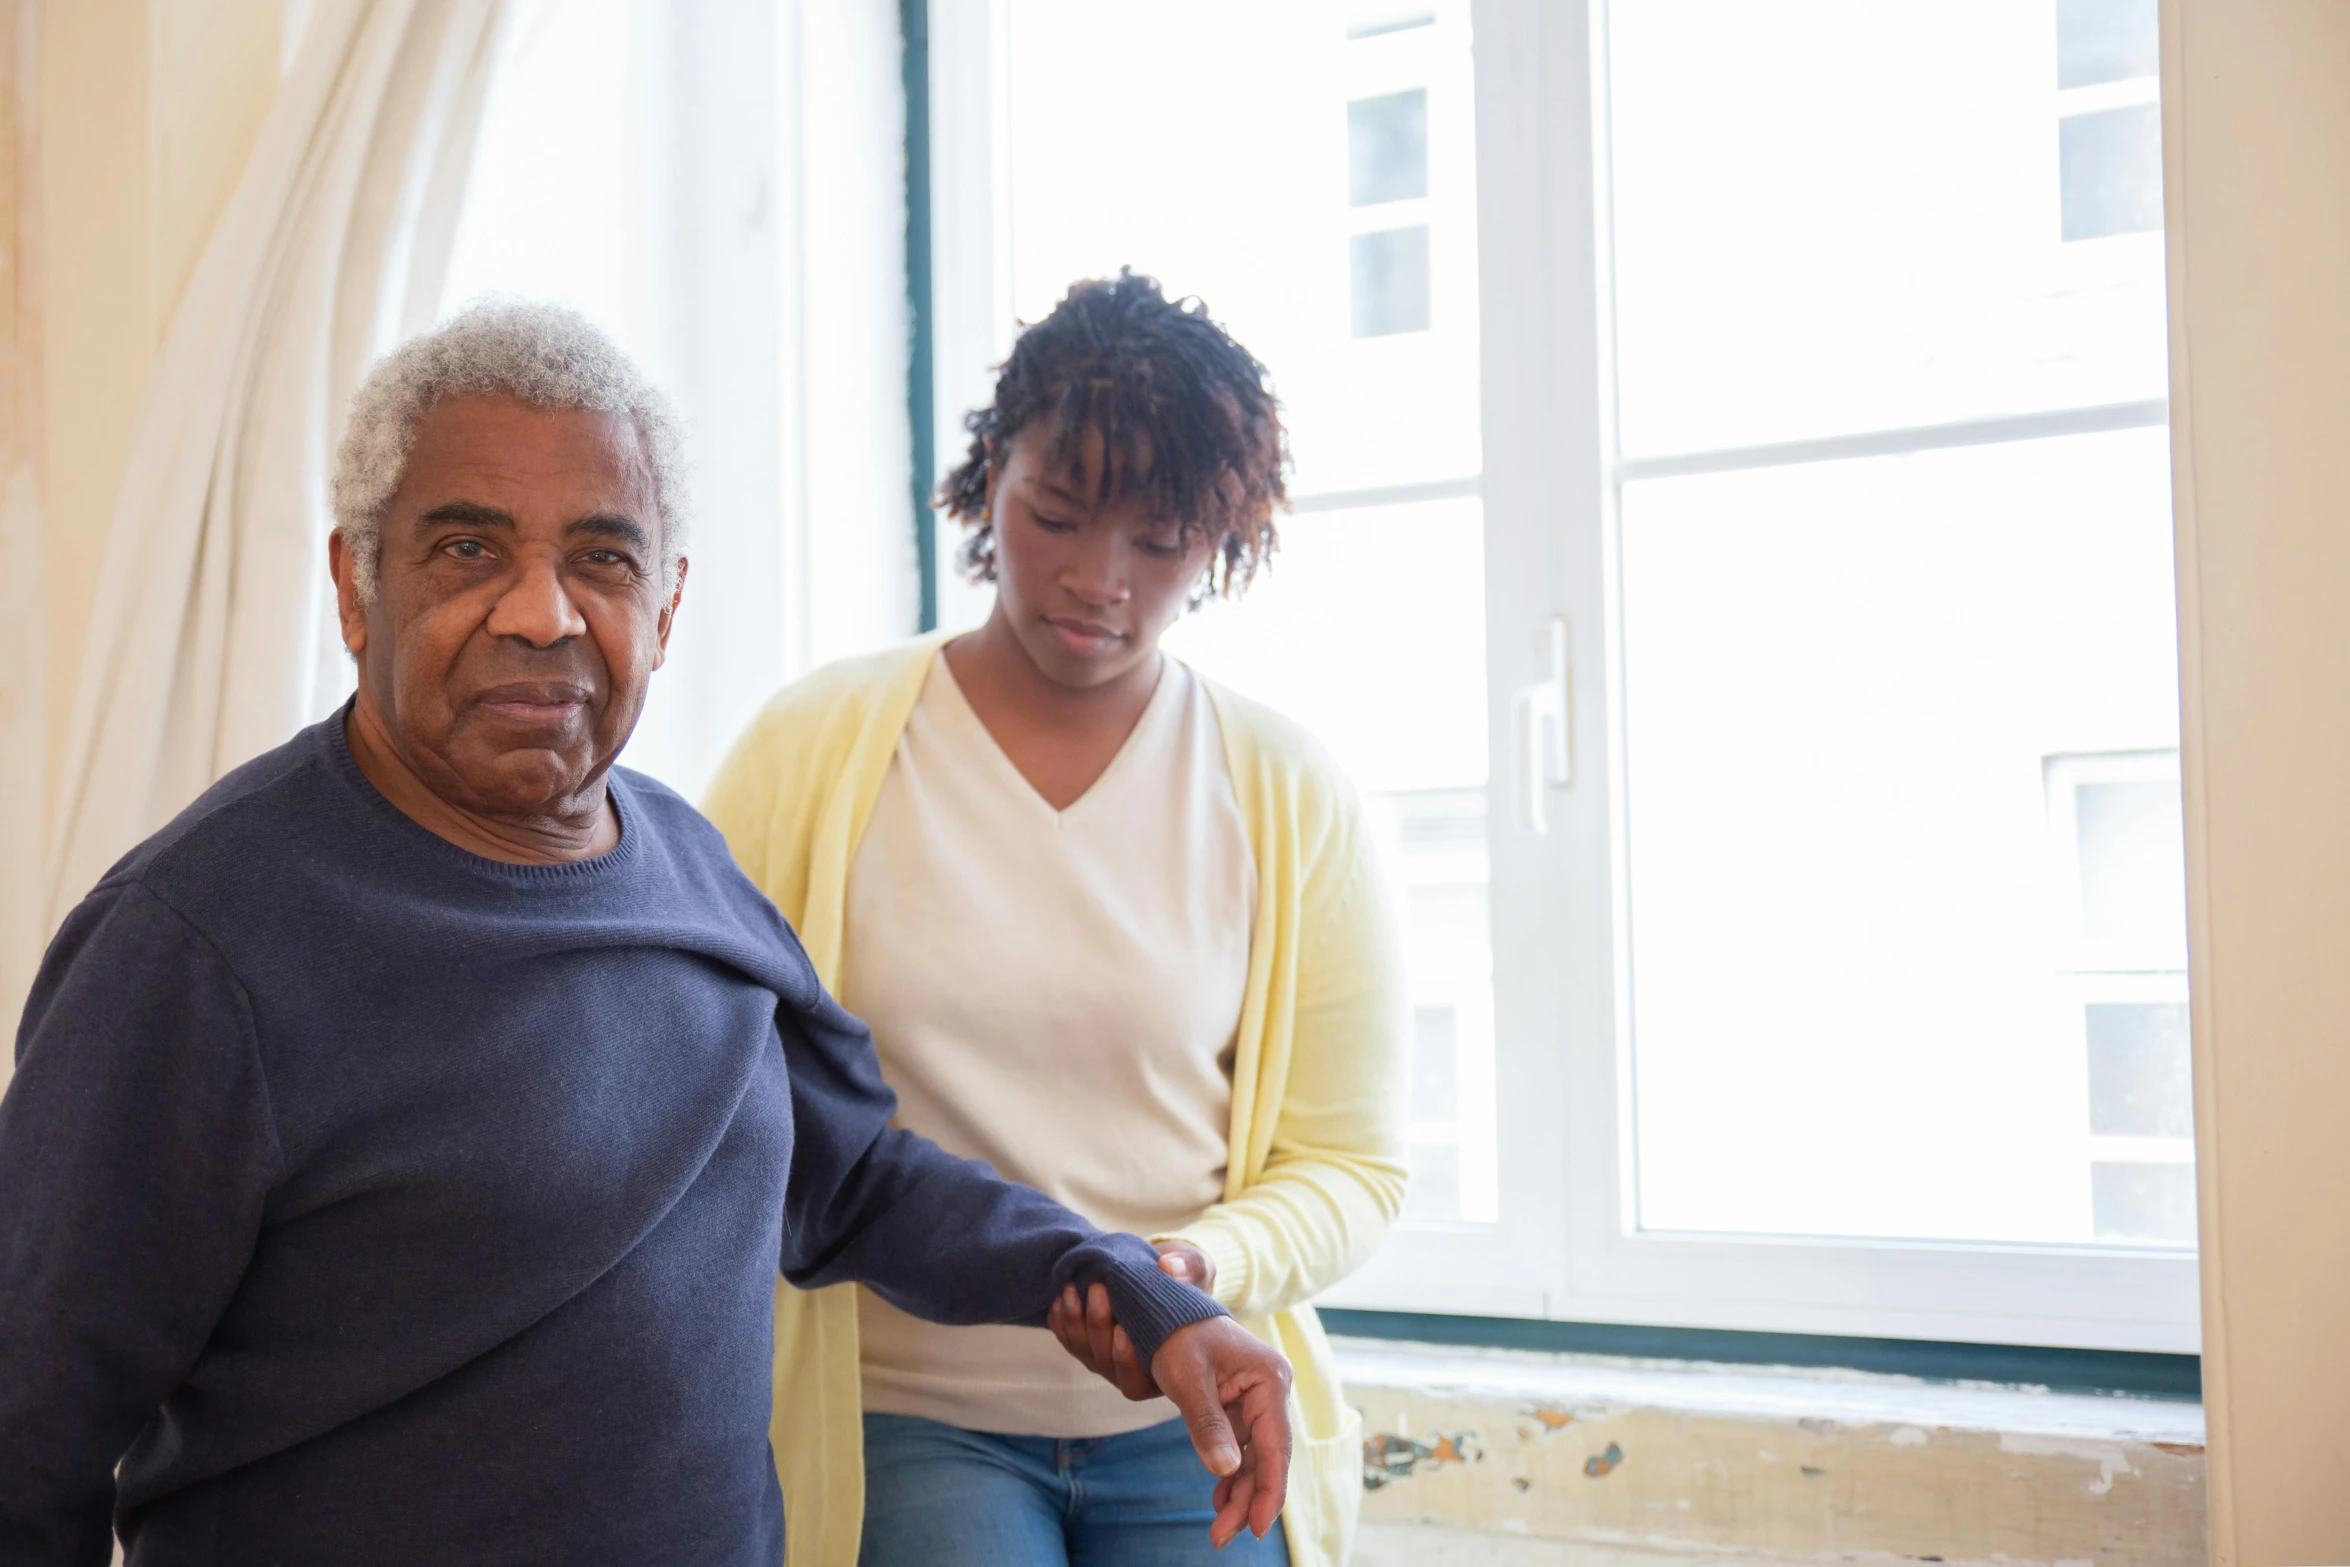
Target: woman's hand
[
  {"x": 1188, "y": 1263},
  {"x": 1088, "y": 1332},
  {"x": 1092, "y": 1336}
]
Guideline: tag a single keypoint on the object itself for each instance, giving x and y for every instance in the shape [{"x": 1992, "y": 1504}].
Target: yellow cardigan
[{"x": 1316, "y": 1170}]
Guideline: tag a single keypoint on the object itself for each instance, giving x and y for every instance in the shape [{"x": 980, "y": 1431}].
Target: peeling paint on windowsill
[
  {"x": 1582, "y": 1386},
  {"x": 1669, "y": 1456}
]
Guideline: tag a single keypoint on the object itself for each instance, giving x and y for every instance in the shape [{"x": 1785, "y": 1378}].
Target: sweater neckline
[
  {"x": 954, "y": 707},
  {"x": 345, "y": 766}
]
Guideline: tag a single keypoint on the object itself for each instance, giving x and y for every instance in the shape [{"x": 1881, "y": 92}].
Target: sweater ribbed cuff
[{"x": 1150, "y": 1305}]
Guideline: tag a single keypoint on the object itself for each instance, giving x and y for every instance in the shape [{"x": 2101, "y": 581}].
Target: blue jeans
[{"x": 940, "y": 1496}]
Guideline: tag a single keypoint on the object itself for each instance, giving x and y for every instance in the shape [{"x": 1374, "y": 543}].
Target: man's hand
[
  {"x": 1231, "y": 1389},
  {"x": 1091, "y": 1335}
]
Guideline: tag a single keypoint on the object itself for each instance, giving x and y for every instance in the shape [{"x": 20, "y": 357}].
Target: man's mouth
[
  {"x": 1083, "y": 638},
  {"x": 534, "y": 704}
]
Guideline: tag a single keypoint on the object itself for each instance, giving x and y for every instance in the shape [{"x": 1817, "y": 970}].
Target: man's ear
[
  {"x": 668, "y": 616},
  {"x": 343, "y": 566}
]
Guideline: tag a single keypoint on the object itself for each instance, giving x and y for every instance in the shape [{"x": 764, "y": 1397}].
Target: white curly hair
[{"x": 543, "y": 355}]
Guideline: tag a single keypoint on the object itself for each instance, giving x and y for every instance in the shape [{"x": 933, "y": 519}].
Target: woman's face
[{"x": 1086, "y": 586}]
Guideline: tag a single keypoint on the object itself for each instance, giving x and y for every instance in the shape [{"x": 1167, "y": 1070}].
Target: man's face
[
  {"x": 1087, "y": 585},
  {"x": 520, "y": 609}
]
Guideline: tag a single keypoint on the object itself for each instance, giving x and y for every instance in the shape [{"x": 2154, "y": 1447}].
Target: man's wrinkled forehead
[{"x": 502, "y": 456}]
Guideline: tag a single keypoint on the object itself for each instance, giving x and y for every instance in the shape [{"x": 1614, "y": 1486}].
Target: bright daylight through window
[
  {"x": 1900, "y": 723},
  {"x": 1804, "y": 948}
]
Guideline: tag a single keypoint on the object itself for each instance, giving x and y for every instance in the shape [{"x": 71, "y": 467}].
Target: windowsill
[
  {"x": 1478, "y": 1444},
  {"x": 2097, "y": 1371}
]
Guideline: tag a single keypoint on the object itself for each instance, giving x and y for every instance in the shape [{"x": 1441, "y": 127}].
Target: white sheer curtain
[
  {"x": 213, "y": 635},
  {"x": 719, "y": 184},
  {"x": 721, "y": 187}
]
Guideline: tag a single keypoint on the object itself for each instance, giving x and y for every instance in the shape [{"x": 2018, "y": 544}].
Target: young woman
[{"x": 1119, "y": 932}]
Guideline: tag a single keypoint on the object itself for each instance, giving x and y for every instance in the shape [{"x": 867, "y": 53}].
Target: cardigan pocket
[{"x": 1333, "y": 1473}]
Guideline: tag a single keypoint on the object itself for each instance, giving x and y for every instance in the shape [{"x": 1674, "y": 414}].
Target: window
[
  {"x": 1733, "y": 553},
  {"x": 1387, "y": 172},
  {"x": 2122, "y": 880},
  {"x": 1387, "y": 148},
  {"x": 2109, "y": 128},
  {"x": 1391, "y": 281}
]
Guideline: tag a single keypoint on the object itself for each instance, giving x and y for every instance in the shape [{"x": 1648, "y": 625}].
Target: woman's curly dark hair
[{"x": 1159, "y": 378}]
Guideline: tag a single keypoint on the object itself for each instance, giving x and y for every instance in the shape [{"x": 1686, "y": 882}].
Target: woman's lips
[{"x": 1083, "y": 639}]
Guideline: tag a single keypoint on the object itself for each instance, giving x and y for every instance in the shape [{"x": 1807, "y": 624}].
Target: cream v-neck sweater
[
  {"x": 1315, "y": 1149},
  {"x": 1056, "y": 993}
]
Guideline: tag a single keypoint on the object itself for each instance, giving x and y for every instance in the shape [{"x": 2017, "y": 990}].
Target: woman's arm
[{"x": 1334, "y": 1176}]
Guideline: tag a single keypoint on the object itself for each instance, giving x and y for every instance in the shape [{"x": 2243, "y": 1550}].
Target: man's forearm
[
  {"x": 943, "y": 1238},
  {"x": 949, "y": 1240}
]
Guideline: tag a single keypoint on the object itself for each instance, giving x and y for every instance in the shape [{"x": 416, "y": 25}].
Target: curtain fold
[{"x": 213, "y": 636}]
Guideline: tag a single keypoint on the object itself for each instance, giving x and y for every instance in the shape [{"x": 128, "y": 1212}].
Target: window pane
[
  {"x": 1436, "y": 1089},
  {"x": 1317, "y": 190},
  {"x": 1844, "y": 215},
  {"x": 1899, "y": 739},
  {"x": 1370, "y": 18},
  {"x": 2105, "y": 41},
  {"x": 1391, "y": 282},
  {"x": 2141, "y": 1078},
  {"x": 2112, "y": 172},
  {"x": 2133, "y": 871},
  {"x": 2145, "y": 1202},
  {"x": 1387, "y": 148}
]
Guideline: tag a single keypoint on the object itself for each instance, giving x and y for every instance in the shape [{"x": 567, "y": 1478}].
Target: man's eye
[
  {"x": 466, "y": 549},
  {"x": 603, "y": 557}
]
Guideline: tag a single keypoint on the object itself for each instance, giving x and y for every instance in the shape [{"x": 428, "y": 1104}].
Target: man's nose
[{"x": 536, "y": 607}]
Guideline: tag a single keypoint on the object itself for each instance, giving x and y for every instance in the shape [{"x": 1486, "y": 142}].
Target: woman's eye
[
  {"x": 1054, "y": 524},
  {"x": 1160, "y": 548}
]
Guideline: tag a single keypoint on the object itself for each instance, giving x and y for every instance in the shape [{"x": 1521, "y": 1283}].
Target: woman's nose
[{"x": 1092, "y": 573}]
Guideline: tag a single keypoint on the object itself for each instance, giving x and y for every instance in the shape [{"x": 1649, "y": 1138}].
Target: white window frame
[{"x": 1567, "y": 1246}]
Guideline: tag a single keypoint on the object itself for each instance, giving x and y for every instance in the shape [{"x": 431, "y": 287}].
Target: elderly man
[{"x": 406, "y": 1139}]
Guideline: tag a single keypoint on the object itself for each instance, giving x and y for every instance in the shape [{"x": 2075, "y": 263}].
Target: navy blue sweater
[{"x": 370, "y": 1201}]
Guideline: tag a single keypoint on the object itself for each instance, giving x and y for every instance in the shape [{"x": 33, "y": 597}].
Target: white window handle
[{"x": 1542, "y": 730}]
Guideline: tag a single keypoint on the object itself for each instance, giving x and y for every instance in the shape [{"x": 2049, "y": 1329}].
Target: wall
[
  {"x": 23, "y": 679},
  {"x": 146, "y": 110},
  {"x": 2257, "y": 144}
]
